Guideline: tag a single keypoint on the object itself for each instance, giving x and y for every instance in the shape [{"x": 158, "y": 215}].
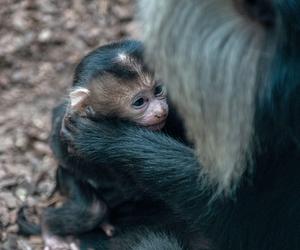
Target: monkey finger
[
  {"x": 67, "y": 137},
  {"x": 108, "y": 229},
  {"x": 68, "y": 126},
  {"x": 69, "y": 122},
  {"x": 65, "y": 133}
]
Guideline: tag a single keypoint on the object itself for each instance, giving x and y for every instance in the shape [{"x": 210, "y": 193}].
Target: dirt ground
[{"x": 40, "y": 43}]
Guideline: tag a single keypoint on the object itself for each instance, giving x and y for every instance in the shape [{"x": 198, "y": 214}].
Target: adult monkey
[{"x": 233, "y": 69}]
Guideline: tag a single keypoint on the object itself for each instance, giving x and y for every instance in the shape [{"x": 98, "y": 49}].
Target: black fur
[
  {"x": 105, "y": 60},
  {"x": 75, "y": 216},
  {"x": 86, "y": 206},
  {"x": 90, "y": 195}
]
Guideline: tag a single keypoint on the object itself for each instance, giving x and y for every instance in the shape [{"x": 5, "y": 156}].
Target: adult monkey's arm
[{"x": 164, "y": 167}]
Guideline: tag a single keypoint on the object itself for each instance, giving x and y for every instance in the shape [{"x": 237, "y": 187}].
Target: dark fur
[
  {"x": 86, "y": 208},
  {"x": 91, "y": 196},
  {"x": 104, "y": 60},
  {"x": 240, "y": 186}
]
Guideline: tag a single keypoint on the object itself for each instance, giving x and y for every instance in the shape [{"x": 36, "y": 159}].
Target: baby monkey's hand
[
  {"x": 78, "y": 132},
  {"x": 89, "y": 139},
  {"x": 68, "y": 129}
]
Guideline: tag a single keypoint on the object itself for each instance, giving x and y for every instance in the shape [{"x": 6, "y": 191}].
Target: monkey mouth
[{"x": 157, "y": 126}]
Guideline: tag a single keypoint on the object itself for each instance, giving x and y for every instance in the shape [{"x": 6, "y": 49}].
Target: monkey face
[
  {"x": 146, "y": 105},
  {"x": 126, "y": 89},
  {"x": 149, "y": 107}
]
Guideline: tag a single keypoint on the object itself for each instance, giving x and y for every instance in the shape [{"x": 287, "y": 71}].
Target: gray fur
[{"x": 206, "y": 45}]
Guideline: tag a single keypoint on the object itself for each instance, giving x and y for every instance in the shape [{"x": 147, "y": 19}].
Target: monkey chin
[{"x": 157, "y": 126}]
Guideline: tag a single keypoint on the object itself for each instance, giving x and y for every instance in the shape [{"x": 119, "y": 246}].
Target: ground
[{"x": 41, "y": 41}]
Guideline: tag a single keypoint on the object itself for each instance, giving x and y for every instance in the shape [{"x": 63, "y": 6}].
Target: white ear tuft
[
  {"x": 122, "y": 57},
  {"x": 78, "y": 95}
]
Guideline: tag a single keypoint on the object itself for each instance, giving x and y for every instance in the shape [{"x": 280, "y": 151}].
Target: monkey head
[{"x": 142, "y": 100}]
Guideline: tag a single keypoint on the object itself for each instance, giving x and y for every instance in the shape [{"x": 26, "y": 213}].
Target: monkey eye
[
  {"x": 139, "y": 102},
  {"x": 158, "y": 90}
]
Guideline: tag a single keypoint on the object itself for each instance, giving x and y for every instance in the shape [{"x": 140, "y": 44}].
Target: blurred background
[{"x": 41, "y": 41}]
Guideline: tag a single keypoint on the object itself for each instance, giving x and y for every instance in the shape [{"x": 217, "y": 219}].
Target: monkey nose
[{"x": 160, "y": 115}]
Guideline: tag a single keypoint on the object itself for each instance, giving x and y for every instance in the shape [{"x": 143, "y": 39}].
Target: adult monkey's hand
[{"x": 164, "y": 167}]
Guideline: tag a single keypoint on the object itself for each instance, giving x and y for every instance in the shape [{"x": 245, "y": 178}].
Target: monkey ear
[{"x": 78, "y": 96}]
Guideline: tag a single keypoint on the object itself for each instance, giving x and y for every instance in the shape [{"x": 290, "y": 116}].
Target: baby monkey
[
  {"x": 129, "y": 93},
  {"x": 110, "y": 82}
]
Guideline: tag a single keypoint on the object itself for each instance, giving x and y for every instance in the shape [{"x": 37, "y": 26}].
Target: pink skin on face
[{"x": 155, "y": 115}]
